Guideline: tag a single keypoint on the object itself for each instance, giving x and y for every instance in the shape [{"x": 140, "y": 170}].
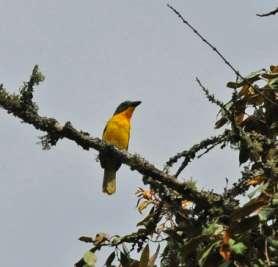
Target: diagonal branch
[
  {"x": 190, "y": 154},
  {"x": 12, "y": 104},
  {"x": 205, "y": 41},
  {"x": 214, "y": 48}
]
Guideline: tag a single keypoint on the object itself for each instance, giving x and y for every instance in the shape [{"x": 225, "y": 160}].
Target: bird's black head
[{"x": 125, "y": 105}]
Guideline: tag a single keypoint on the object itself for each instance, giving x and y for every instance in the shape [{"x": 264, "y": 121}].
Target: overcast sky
[{"x": 96, "y": 54}]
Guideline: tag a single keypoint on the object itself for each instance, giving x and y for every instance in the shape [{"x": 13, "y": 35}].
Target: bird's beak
[{"x": 136, "y": 103}]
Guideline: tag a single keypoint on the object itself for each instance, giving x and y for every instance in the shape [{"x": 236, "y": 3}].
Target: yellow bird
[{"x": 117, "y": 133}]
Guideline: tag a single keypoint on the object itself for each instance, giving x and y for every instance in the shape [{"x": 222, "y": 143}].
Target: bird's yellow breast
[{"x": 117, "y": 131}]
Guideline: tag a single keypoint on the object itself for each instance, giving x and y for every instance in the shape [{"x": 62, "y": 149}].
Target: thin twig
[
  {"x": 190, "y": 154},
  {"x": 211, "y": 97},
  {"x": 194, "y": 149},
  {"x": 217, "y": 52},
  {"x": 214, "y": 100},
  {"x": 207, "y": 150},
  {"x": 205, "y": 40},
  {"x": 266, "y": 253},
  {"x": 213, "y": 142}
]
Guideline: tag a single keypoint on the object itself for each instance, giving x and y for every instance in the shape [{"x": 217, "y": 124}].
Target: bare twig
[
  {"x": 207, "y": 144},
  {"x": 214, "y": 100},
  {"x": 190, "y": 154},
  {"x": 211, "y": 97},
  {"x": 205, "y": 40},
  {"x": 217, "y": 52},
  {"x": 273, "y": 12}
]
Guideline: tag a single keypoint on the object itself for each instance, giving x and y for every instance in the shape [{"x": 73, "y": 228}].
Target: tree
[{"x": 194, "y": 227}]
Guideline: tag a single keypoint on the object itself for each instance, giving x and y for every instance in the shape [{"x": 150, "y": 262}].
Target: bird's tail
[{"x": 109, "y": 182}]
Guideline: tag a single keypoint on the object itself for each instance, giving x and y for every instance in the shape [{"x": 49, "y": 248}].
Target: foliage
[
  {"x": 188, "y": 226},
  {"x": 230, "y": 233},
  {"x": 193, "y": 227}
]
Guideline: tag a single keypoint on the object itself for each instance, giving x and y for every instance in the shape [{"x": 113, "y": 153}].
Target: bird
[{"x": 117, "y": 133}]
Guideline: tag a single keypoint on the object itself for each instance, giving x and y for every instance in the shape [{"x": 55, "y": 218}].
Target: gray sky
[{"x": 96, "y": 54}]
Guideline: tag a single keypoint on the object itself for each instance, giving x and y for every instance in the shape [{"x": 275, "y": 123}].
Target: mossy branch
[
  {"x": 27, "y": 111},
  {"x": 190, "y": 154}
]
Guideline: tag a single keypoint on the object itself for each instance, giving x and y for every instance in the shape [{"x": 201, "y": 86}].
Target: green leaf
[
  {"x": 213, "y": 229},
  {"x": 275, "y": 200},
  {"x": 206, "y": 253},
  {"x": 255, "y": 74},
  {"x": 259, "y": 263},
  {"x": 238, "y": 248},
  {"x": 231, "y": 242},
  {"x": 273, "y": 83},
  {"x": 192, "y": 184},
  {"x": 252, "y": 77},
  {"x": 110, "y": 259},
  {"x": 144, "y": 260},
  {"x": 234, "y": 85},
  {"x": 259, "y": 189},
  {"x": 90, "y": 258},
  {"x": 270, "y": 75},
  {"x": 86, "y": 239},
  {"x": 273, "y": 243},
  {"x": 265, "y": 213}
]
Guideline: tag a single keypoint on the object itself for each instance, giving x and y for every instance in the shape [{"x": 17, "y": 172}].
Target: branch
[
  {"x": 205, "y": 41},
  {"x": 190, "y": 154},
  {"x": 55, "y": 131},
  {"x": 211, "y": 97},
  {"x": 134, "y": 238},
  {"x": 27, "y": 90},
  {"x": 137, "y": 238},
  {"x": 207, "y": 144},
  {"x": 222, "y": 106},
  {"x": 218, "y": 53},
  {"x": 273, "y": 12}
]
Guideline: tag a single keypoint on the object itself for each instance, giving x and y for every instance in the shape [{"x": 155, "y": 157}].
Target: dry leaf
[
  {"x": 143, "y": 204},
  {"x": 224, "y": 250},
  {"x": 100, "y": 238},
  {"x": 273, "y": 68},
  {"x": 185, "y": 203},
  {"x": 255, "y": 180}
]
